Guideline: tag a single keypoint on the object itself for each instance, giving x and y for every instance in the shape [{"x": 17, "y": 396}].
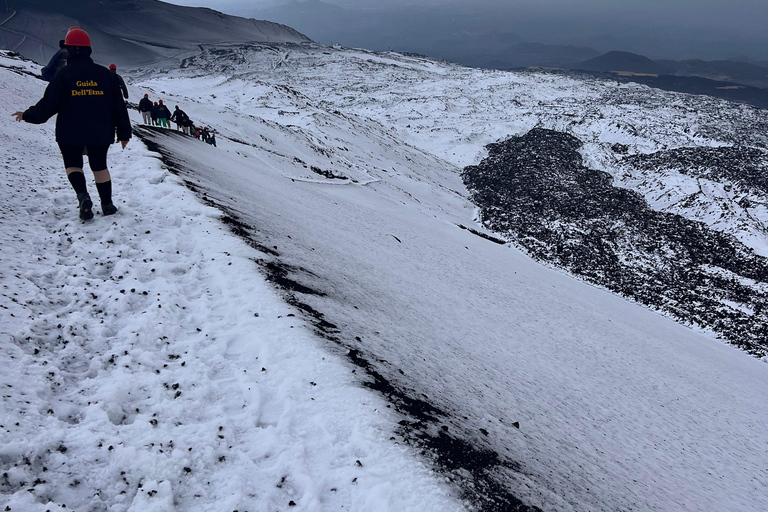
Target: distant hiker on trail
[
  {"x": 145, "y": 107},
  {"x": 58, "y": 61},
  {"x": 189, "y": 126},
  {"x": 180, "y": 118},
  {"x": 89, "y": 107},
  {"x": 153, "y": 113},
  {"x": 163, "y": 115},
  {"x": 120, "y": 80},
  {"x": 211, "y": 138}
]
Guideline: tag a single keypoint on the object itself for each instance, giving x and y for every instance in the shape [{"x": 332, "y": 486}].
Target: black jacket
[
  {"x": 58, "y": 61},
  {"x": 88, "y": 103},
  {"x": 163, "y": 112},
  {"x": 154, "y": 111},
  {"x": 179, "y": 116},
  {"x": 120, "y": 83},
  {"x": 145, "y": 105}
]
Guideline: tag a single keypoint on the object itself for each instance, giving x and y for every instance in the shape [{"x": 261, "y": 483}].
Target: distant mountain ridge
[
  {"x": 735, "y": 81},
  {"x": 130, "y": 32},
  {"x": 616, "y": 61},
  {"x": 747, "y": 73},
  {"x": 754, "y": 74},
  {"x": 537, "y": 54}
]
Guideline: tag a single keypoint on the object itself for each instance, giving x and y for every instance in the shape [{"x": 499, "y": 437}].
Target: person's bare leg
[{"x": 101, "y": 176}]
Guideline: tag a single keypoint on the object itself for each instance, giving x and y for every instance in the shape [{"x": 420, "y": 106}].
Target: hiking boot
[
  {"x": 108, "y": 209},
  {"x": 86, "y": 205}
]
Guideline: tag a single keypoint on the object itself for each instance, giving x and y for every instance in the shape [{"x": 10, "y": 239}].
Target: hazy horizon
[{"x": 674, "y": 29}]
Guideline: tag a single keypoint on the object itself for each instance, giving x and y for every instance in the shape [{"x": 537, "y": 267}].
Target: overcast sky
[
  {"x": 719, "y": 28},
  {"x": 731, "y": 13}
]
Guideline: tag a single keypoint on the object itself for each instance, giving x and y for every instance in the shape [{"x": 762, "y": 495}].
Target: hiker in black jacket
[
  {"x": 210, "y": 136},
  {"x": 120, "y": 81},
  {"x": 58, "y": 61},
  {"x": 153, "y": 114},
  {"x": 90, "y": 108},
  {"x": 163, "y": 115},
  {"x": 189, "y": 127},
  {"x": 180, "y": 118},
  {"x": 145, "y": 107}
]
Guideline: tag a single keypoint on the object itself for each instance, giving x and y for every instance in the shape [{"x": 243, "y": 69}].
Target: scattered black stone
[
  {"x": 740, "y": 165},
  {"x": 327, "y": 174},
  {"x": 278, "y": 273},
  {"x": 243, "y": 231},
  {"x": 535, "y": 190},
  {"x": 621, "y": 149},
  {"x": 18, "y": 69},
  {"x": 483, "y": 235}
]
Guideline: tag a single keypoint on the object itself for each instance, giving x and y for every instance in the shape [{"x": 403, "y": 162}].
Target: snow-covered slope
[
  {"x": 640, "y": 136},
  {"x": 147, "y": 365},
  {"x": 618, "y": 407},
  {"x": 341, "y": 169}
]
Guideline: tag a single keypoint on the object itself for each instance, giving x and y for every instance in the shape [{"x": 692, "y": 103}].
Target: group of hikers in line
[
  {"x": 157, "y": 114},
  {"x": 89, "y": 101}
]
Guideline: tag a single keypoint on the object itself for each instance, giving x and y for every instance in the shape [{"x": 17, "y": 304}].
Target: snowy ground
[
  {"x": 618, "y": 408},
  {"x": 148, "y": 366}
]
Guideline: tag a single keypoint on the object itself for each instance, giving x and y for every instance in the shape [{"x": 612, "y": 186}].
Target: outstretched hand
[
  {"x": 124, "y": 143},
  {"x": 19, "y": 115}
]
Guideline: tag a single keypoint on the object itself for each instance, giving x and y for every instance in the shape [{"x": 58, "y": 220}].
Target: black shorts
[{"x": 73, "y": 156}]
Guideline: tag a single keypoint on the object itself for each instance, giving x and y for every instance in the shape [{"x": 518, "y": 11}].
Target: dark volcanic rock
[
  {"x": 739, "y": 165},
  {"x": 536, "y": 191}
]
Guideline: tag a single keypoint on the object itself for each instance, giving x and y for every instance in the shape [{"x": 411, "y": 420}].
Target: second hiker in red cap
[{"x": 120, "y": 81}]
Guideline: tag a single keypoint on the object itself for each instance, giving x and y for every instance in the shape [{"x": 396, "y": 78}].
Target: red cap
[
  {"x": 161, "y": 102},
  {"x": 146, "y": 95},
  {"x": 112, "y": 66},
  {"x": 77, "y": 37},
  {"x": 177, "y": 106},
  {"x": 156, "y": 103}
]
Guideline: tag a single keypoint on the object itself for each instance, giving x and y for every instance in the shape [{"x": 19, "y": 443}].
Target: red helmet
[
  {"x": 177, "y": 106},
  {"x": 161, "y": 102},
  {"x": 156, "y": 103},
  {"x": 146, "y": 95},
  {"x": 77, "y": 37},
  {"x": 112, "y": 66}
]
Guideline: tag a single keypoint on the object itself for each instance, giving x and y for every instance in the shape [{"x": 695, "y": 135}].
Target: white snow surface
[
  {"x": 619, "y": 408},
  {"x": 148, "y": 366}
]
